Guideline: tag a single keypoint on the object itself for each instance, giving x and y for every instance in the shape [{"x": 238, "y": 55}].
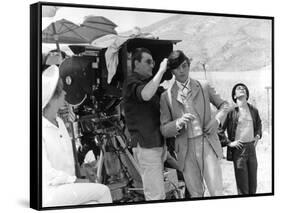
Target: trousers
[
  {"x": 151, "y": 165},
  {"x": 202, "y": 164},
  {"x": 245, "y": 169},
  {"x": 76, "y": 194}
]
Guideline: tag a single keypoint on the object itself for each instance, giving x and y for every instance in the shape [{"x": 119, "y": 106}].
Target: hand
[
  {"x": 185, "y": 118},
  {"x": 211, "y": 127},
  {"x": 80, "y": 180},
  {"x": 89, "y": 157},
  {"x": 237, "y": 144},
  {"x": 163, "y": 65},
  {"x": 78, "y": 145},
  {"x": 91, "y": 170},
  {"x": 257, "y": 137}
]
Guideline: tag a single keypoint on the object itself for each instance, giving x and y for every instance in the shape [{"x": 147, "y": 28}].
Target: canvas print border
[{"x": 36, "y": 62}]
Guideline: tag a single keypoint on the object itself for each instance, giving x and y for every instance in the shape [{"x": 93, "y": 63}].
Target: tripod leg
[
  {"x": 120, "y": 140},
  {"x": 100, "y": 165}
]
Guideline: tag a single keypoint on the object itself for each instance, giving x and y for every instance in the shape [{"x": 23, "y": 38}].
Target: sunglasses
[{"x": 150, "y": 62}]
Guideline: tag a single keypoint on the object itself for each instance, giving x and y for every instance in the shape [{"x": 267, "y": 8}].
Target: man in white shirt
[
  {"x": 60, "y": 186},
  {"x": 244, "y": 129}
]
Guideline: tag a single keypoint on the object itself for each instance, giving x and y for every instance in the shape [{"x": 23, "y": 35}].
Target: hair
[
  {"x": 137, "y": 55},
  {"x": 176, "y": 58},
  {"x": 58, "y": 91},
  {"x": 234, "y": 88}
]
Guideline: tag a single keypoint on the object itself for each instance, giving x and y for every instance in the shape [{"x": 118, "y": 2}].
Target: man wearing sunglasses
[
  {"x": 142, "y": 115},
  {"x": 186, "y": 115},
  {"x": 244, "y": 129}
]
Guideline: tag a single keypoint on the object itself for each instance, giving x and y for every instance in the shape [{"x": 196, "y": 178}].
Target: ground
[
  {"x": 264, "y": 169},
  {"x": 257, "y": 82}
]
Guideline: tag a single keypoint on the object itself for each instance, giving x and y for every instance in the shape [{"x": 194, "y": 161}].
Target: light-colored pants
[
  {"x": 151, "y": 165},
  {"x": 76, "y": 194},
  {"x": 199, "y": 166}
]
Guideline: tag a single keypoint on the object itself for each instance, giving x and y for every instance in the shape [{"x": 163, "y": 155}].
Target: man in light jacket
[
  {"x": 60, "y": 186},
  {"x": 186, "y": 115}
]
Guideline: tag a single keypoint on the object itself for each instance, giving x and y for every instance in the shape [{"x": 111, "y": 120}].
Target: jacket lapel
[
  {"x": 197, "y": 103},
  {"x": 253, "y": 116},
  {"x": 177, "y": 103},
  {"x": 195, "y": 88}
]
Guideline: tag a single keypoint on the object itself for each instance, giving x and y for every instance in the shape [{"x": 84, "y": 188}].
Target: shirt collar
[
  {"x": 47, "y": 124},
  {"x": 187, "y": 83}
]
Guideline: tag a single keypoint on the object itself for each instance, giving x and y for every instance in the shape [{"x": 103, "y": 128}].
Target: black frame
[{"x": 35, "y": 100}]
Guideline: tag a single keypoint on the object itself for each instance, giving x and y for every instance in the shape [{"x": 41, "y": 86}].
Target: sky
[{"x": 125, "y": 20}]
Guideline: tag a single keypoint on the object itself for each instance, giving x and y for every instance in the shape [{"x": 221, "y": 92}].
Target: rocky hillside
[{"x": 221, "y": 43}]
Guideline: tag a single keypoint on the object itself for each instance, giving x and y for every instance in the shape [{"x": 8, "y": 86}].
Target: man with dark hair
[
  {"x": 243, "y": 126},
  {"x": 186, "y": 115},
  {"x": 142, "y": 115}
]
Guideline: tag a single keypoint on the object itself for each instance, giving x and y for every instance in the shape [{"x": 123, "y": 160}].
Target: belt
[{"x": 248, "y": 143}]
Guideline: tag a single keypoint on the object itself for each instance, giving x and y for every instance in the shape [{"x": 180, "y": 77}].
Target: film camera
[{"x": 99, "y": 122}]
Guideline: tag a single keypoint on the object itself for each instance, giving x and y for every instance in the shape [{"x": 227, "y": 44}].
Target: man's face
[
  {"x": 61, "y": 99},
  {"x": 240, "y": 91},
  {"x": 181, "y": 72},
  {"x": 145, "y": 66}
]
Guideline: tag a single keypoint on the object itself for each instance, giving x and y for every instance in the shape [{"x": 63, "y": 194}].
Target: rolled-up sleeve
[
  {"x": 135, "y": 88},
  {"x": 138, "y": 90}
]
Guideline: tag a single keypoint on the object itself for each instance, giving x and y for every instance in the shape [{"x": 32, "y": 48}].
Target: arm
[
  {"x": 219, "y": 103},
  {"x": 221, "y": 132},
  {"x": 259, "y": 125},
  {"x": 168, "y": 125},
  {"x": 222, "y": 137},
  {"x": 151, "y": 87},
  {"x": 53, "y": 176}
]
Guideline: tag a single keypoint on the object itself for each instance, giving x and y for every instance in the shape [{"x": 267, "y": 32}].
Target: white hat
[
  {"x": 50, "y": 79},
  {"x": 54, "y": 58}
]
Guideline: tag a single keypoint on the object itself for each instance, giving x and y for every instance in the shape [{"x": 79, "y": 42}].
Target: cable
[{"x": 203, "y": 142}]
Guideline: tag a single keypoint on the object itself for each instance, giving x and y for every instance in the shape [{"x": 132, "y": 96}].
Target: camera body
[
  {"x": 86, "y": 73},
  {"x": 96, "y": 101}
]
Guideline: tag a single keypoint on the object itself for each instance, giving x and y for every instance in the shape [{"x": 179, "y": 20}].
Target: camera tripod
[{"x": 116, "y": 166}]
